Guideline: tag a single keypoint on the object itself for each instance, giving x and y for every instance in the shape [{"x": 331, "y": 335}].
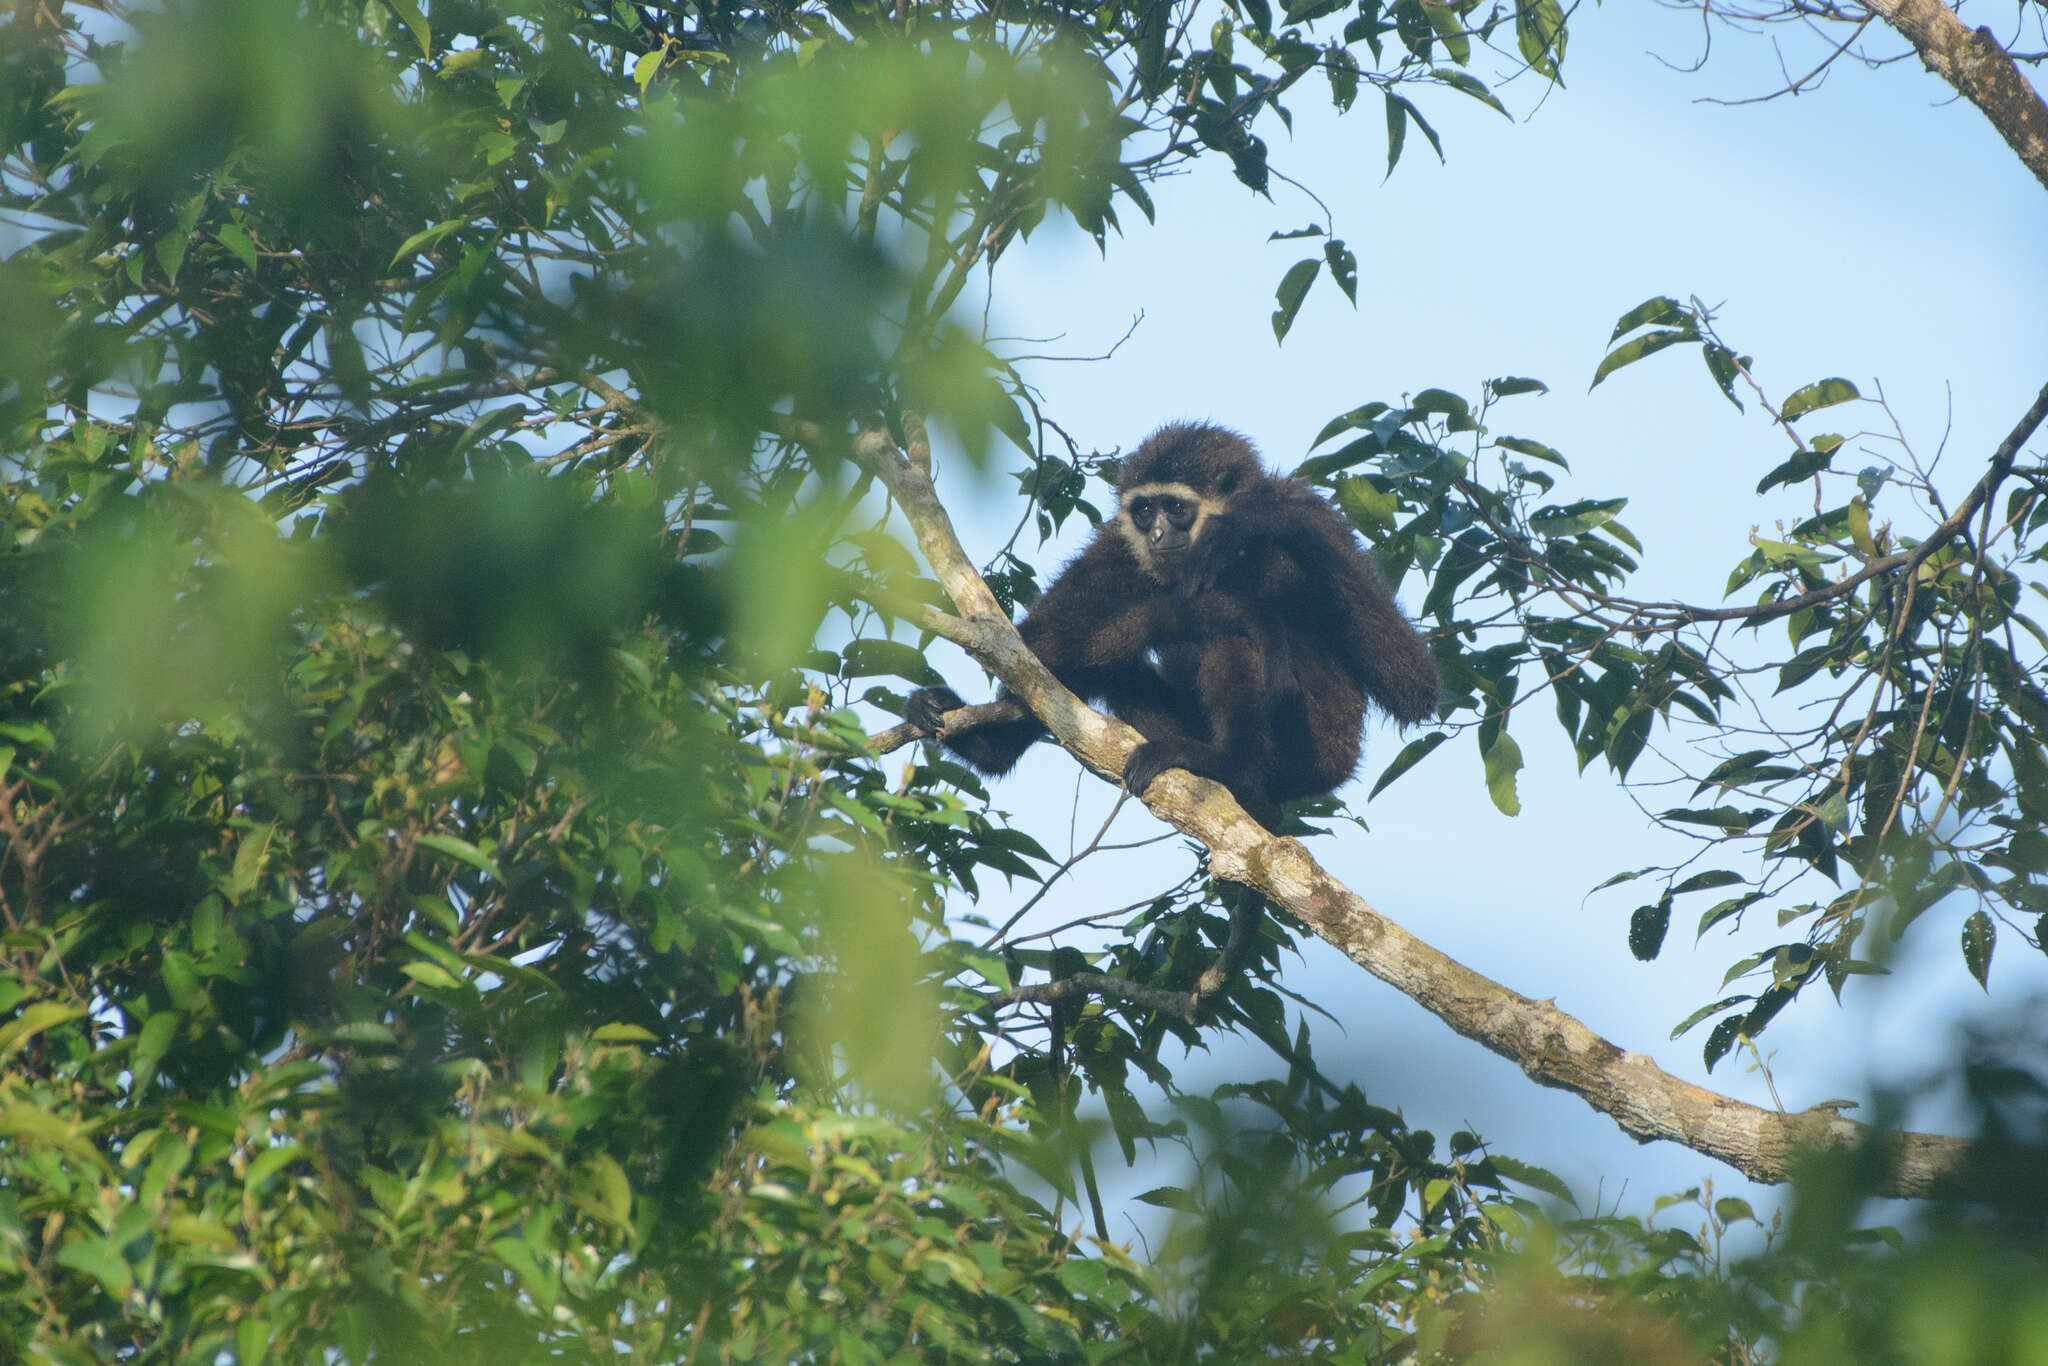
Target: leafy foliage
[{"x": 449, "y": 905}]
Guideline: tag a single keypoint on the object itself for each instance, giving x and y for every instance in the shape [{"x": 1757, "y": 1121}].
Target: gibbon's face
[{"x": 1161, "y": 522}]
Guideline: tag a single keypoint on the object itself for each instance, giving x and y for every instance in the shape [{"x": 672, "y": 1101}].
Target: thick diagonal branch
[
  {"x": 1549, "y": 1045},
  {"x": 1972, "y": 61}
]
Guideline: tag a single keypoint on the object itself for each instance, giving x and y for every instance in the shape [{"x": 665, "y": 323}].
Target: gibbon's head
[{"x": 1184, "y": 474}]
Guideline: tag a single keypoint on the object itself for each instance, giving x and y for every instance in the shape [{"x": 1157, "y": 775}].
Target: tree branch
[
  {"x": 1951, "y": 526},
  {"x": 1550, "y": 1046},
  {"x": 1973, "y": 62},
  {"x": 952, "y": 723}
]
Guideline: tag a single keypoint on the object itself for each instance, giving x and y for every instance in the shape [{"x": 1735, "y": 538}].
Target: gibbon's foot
[
  {"x": 928, "y": 705},
  {"x": 1154, "y": 757},
  {"x": 1147, "y": 762}
]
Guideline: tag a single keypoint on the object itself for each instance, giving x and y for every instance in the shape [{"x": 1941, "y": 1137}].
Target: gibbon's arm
[
  {"x": 1085, "y": 627},
  {"x": 1104, "y": 613},
  {"x": 1298, "y": 559}
]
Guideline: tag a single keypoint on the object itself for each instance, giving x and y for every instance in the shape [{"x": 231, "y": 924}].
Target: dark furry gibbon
[{"x": 1231, "y": 617}]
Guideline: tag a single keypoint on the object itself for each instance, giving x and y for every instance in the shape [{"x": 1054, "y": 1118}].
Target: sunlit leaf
[{"x": 1820, "y": 394}]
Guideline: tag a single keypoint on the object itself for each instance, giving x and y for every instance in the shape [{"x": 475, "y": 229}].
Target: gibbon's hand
[
  {"x": 1213, "y": 562},
  {"x": 927, "y": 706}
]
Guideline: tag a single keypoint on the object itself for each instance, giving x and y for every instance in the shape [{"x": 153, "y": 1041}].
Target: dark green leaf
[
  {"x": 1293, "y": 288},
  {"x": 1411, "y": 754},
  {"x": 1720, "y": 1040},
  {"x": 1706, "y": 1010},
  {"x": 1574, "y": 519},
  {"x": 1635, "y": 349},
  {"x": 408, "y": 11},
  {"x": 1660, "y": 311},
  {"x": 872, "y": 657},
  {"x": 1646, "y": 929},
  {"x": 1980, "y": 938},
  {"x": 1343, "y": 267},
  {"x": 1536, "y": 450},
  {"x": 1723, "y": 365}
]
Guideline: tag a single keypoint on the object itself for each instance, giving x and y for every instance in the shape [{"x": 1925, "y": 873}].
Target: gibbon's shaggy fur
[{"x": 1232, "y": 617}]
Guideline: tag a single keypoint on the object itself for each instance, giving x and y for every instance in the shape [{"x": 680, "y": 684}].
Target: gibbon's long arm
[{"x": 1298, "y": 555}]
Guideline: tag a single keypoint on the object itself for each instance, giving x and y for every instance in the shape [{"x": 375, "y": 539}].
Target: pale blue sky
[{"x": 1876, "y": 229}]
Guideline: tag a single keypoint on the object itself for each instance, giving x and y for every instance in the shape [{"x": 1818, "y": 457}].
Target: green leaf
[
  {"x": 646, "y": 66},
  {"x": 1661, "y": 311},
  {"x": 1293, "y": 288},
  {"x": 1649, "y": 344},
  {"x": 1721, "y": 1040},
  {"x": 1540, "y": 35},
  {"x": 426, "y": 237},
  {"x": 1646, "y": 928},
  {"x": 1341, "y": 68},
  {"x": 1465, "y": 83},
  {"x": 231, "y": 236},
  {"x": 1085, "y": 1276},
  {"x": 1411, "y": 755},
  {"x": 1704, "y": 1011},
  {"x": 152, "y": 1041},
  {"x": 1980, "y": 937},
  {"x": 1343, "y": 267},
  {"x": 1731, "y": 1209},
  {"x": 431, "y": 975},
  {"x": 33, "y": 1021},
  {"x": 1823, "y": 393},
  {"x": 247, "y": 869},
  {"x": 1399, "y": 112},
  {"x": 1532, "y": 1176},
  {"x": 1171, "y": 1197},
  {"x": 101, "y": 1260},
  {"x": 1452, "y": 406},
  {"x": 269, "y": 1162},
  {"x": 1535, "y": 450},
  {"x": 1450, "y": 28},
  {"x": 1574, "y": 519},
  {"x": 622, "y": 1033},
  {"x": 462, "y": 851},
  {"x": 177, "y": 238},
  {"x": 872, "y": 657},
  {"x": 1726, "y": 368},
  {"x": 1503, "y": 761},
  {"x": 409, "y": 12},
  {"x": 602, "y": 1188},
  {"x": 1722, "y": 910}
]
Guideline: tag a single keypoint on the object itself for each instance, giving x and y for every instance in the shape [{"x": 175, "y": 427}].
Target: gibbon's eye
[
  {"x": 1179, "y": 511},
  {"x": 1142, "y": 513}
]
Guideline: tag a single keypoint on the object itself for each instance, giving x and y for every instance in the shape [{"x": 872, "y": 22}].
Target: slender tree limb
[
  {"x": 952, "y": 723},
  {"x": 1952, "y": 525},
  {"x": 1981, "y": 71},
  {"x": 1549, "y": 1045},
  {"x": 1184, "y": 1004}
]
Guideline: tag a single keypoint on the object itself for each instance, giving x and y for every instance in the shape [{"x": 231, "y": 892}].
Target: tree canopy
[{"x": 470, "y": 527}]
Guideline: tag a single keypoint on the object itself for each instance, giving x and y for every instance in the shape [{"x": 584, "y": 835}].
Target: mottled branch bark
[
  {"x": 1972, "y": 61},
  {"x": 1549, "y": 1045}
]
